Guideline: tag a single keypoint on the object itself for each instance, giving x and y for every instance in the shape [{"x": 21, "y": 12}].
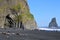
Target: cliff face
[{"x": 18, "y": 11}]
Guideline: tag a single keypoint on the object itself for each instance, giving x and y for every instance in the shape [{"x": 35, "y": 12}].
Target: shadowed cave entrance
[{"x": 10, "y": 23}]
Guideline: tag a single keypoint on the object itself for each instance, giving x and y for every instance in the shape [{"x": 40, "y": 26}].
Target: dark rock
[
  {"x": 53, "y": 23},
  {"x": 21, "y": 25},
  {"x": 17, "y": 34},
  {"x": 10, "y": 22}
]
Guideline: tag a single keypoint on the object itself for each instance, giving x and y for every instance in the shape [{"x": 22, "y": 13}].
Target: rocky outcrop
[
  {"x": 18, "y": 11},
  {"x": 53, "y": 23}
]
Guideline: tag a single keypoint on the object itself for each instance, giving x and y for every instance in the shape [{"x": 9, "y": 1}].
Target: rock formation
[
  {"x": 53, "y": 23},
  {"x": 18, "y": 11}
]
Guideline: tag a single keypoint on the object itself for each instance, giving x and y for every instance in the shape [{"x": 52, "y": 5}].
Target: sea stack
[{"x": 53, "y": 23}]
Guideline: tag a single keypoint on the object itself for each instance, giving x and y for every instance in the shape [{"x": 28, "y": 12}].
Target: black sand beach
[{"x": 18, "y": 34}]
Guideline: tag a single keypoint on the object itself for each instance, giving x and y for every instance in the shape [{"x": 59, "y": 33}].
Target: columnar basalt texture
[{"x": 18, "y": 11}]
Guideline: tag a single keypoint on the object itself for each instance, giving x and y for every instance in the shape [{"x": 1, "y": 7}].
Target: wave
[{"x": 49, "y": 29}]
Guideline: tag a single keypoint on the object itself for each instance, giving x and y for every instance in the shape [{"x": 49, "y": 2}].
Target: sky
[{"x": 44, "y": 11}]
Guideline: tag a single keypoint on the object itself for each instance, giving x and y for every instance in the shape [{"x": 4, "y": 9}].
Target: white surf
[{"x": 49, "y": 29}]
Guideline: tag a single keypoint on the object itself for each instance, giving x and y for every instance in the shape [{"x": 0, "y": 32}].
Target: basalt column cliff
[{"x": 15, "y": 13}]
